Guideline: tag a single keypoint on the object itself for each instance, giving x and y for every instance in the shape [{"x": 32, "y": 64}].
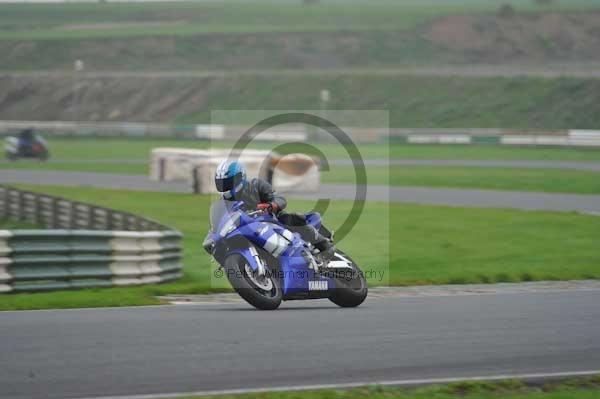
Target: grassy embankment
[
  {"x": 87, "y": 20},
  {"x": 239, "y": 35},
  {"x": 412, "y": 101},
  {"x": 407, "y": 244},
  {"x": 250, "y": 37}
]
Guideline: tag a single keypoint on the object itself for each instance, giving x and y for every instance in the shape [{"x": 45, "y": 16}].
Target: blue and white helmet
[{"x": 230, "y": 178}]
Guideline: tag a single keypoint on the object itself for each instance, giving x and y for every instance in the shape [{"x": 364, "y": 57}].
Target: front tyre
[
  {"x": 350, "y": 286},
  {"x": 262, "y": 292}
]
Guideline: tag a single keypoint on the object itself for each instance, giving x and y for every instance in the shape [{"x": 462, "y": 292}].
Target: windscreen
[{"x": 217, "y": 210}]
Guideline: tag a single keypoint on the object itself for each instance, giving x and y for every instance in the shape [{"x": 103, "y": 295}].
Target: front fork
[{"x": 254, "y": 260}]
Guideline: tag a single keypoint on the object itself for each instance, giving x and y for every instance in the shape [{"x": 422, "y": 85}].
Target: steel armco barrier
[{"x": 84, "y": 246}]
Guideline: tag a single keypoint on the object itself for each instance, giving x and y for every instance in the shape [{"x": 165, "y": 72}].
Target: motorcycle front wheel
[{"x": 262, "y": 292}]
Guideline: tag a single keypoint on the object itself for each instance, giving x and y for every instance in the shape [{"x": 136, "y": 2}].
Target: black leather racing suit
[{"x": 259, "y": 191}]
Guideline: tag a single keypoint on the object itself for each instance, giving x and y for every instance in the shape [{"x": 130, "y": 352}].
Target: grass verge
[
  {"x": 575, "y": 388},
  {"x": 545, "y": 180},
  {"x": 396, "y": 244},
  {"x": 11, "y": 225}
]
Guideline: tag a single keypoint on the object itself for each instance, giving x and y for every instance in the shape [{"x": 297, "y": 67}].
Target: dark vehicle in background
[{"x": 26, "y": 145}]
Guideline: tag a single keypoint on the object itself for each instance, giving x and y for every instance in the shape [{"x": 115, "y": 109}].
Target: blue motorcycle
[{"x": 266, "y": 262}]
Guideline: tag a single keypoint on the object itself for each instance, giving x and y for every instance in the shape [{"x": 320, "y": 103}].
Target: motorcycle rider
[
  {"x": 26, "y": 140},
  {"x": 231, "y": 181}
]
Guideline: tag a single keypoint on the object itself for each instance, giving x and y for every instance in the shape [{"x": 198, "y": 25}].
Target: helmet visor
[
  {"x": 228, "y": 183},
  {"x": 224, "y": 184}
]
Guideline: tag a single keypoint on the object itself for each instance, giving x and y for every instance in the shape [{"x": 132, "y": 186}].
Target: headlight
[{"x": 208, "y": 244}]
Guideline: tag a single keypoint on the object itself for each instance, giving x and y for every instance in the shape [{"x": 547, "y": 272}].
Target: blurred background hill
[{"x": 432, "y": 63}]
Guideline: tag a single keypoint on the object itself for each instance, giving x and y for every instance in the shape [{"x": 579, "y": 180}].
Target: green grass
[
  {"x": 424, "y": 245},
  {"x": 43, "y": 21},
  {"x": 90, "y": 298},
  {"x": 412, "y": 101},
  {"x": 65, "y": 149},
  {"x": 188, "y": 18},
  {"x": 491, "y": 152},
  {"x": 12, "y": 225},
  {"x": 79, "y": 155},
  {"x": 257, "y": 35},
  {"x": 575, "y": 388},
  {"x": 521, "y": 103},
  {"x": 100, "y": 167},
  {"x": 415, "y": 101},
  {"x": 546, "y": 180}
]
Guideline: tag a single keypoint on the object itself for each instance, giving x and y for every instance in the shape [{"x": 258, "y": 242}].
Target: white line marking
[{"x": 423, "y": 381}]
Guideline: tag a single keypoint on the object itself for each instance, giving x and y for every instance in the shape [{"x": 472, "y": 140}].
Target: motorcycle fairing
[
  {"x": 251, "y": 255},
  {"x": 298, "y": 280},
  {"x": 275, "y": 239},
  {"x": 299, "y": 277},
  {"x": 314, "y": 219},
  {"x": 302, "y": 281}
]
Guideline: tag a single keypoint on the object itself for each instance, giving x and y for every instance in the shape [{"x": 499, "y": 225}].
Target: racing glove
[{"x": 270, "y": 207}]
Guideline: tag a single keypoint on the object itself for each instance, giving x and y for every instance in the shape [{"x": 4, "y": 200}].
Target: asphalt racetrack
[
  {"x": 419, "y": 195},
  {"x": 223, "y": 346},
  {"x": 112, "y": 352}
]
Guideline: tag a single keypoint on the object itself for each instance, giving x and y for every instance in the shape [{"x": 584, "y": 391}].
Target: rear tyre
[
  {"x": 261, "y": 292},
  {"x": 351, "y": 288}
]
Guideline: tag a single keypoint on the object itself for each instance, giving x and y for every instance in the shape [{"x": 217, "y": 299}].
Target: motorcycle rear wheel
[
  {"x": 351, "y": 290},
  {"x": 266, "y": 296}
]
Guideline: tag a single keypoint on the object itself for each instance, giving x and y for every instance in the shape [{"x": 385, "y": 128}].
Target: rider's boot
[
  {"x": 325, "y": 247},
  {"x": 318, "y": 241}
]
